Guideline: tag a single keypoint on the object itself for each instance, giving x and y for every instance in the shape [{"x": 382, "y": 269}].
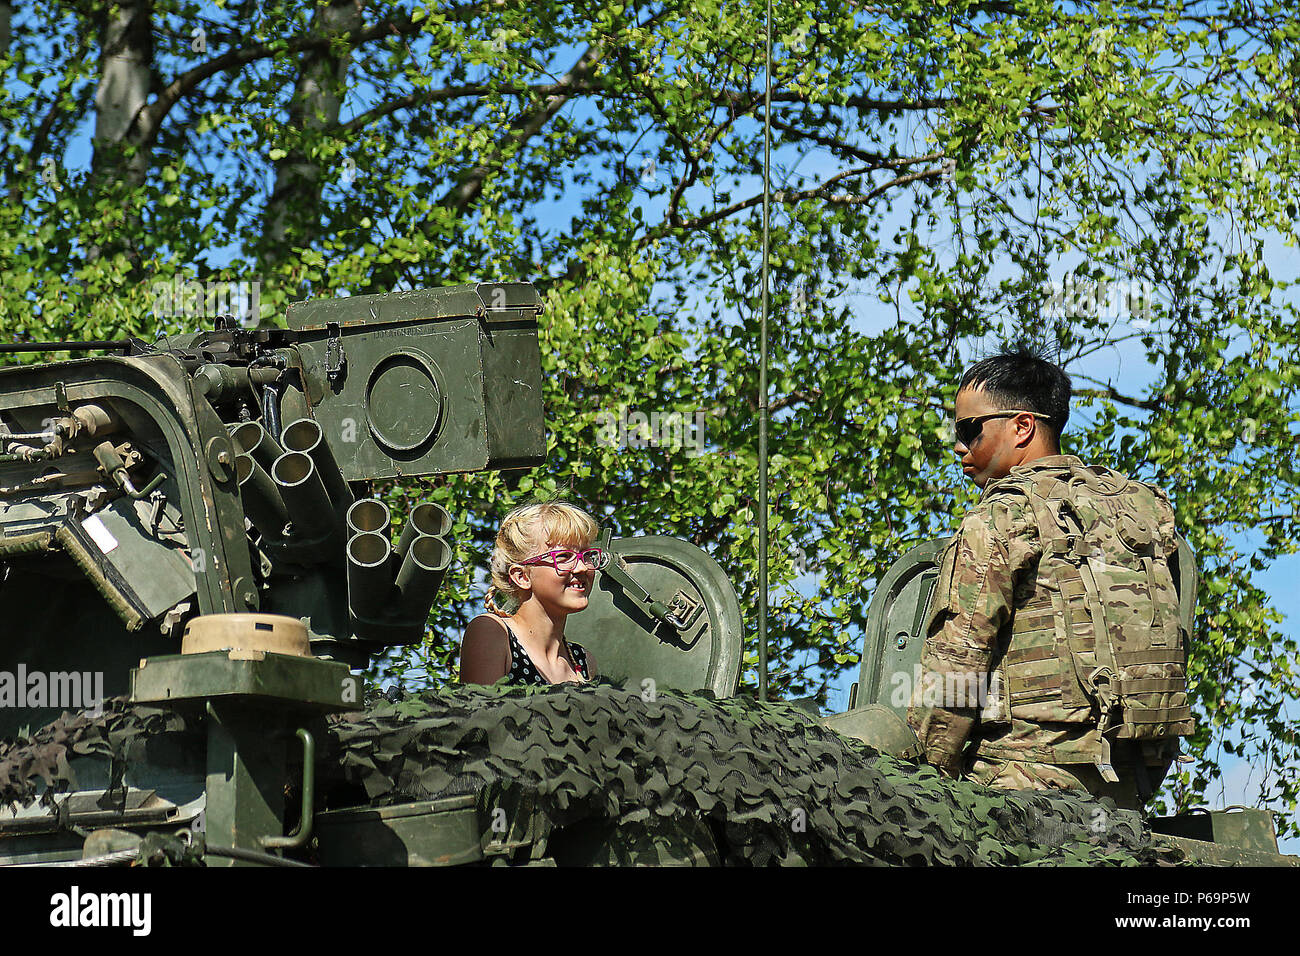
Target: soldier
[{"x": 1054, "y": 657}]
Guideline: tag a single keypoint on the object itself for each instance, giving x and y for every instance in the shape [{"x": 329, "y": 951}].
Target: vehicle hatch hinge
[{"x": 336, "y": 360}]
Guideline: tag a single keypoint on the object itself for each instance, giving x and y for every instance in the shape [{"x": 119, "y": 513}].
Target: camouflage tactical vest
[{"x": 1099, "y": 641}]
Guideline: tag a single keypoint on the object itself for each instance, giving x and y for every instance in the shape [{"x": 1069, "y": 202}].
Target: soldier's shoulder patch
[
  {"x": 977, "y": 519},
  {"x": 1012, "y": 516}
]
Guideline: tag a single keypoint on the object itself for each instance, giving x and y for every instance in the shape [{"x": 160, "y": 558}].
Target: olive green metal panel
[
  {"x": 430, "y": 833},
  {"x": 246, "y": 762},
  {"x": 512, "y": 375},
  {"x": 1248, "y": 828},
  {"x": 25, "y": 850},
  {"x": 891, "y": 647},
  {"x": 306, "y": 682},
  {"x": 447, "y": 832},
  {"x": 632, "y": 647},
  {"x": 154, "y": 574},
  {"x": 877, "y": 726},
  {"x": 319, "y": 600},
  {"x": 427, "y": 382},
  {"x": 1215, "y": 854},
  {"x": 416, "y": 305}
]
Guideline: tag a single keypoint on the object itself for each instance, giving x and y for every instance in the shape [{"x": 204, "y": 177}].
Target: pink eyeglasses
[{"x": 566, "y": 559}]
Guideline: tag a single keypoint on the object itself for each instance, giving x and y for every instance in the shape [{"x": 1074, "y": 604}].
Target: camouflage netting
[
  {"x": 760, "y": 774},
  {"x": 772, "y": 784},
  {"x": 122, "y": 732}
]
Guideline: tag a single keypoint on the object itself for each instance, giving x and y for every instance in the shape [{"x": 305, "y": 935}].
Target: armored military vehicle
[{"x": 195, "y": 572}]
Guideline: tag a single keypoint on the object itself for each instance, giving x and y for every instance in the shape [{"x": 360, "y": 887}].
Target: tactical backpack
[{"x": 1100, "y": 641}]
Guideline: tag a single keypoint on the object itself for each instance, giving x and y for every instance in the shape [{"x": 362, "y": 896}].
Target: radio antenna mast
[{"x": 762, "y": 366}]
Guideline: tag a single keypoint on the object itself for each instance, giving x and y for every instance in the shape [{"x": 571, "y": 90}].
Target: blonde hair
[{"x": 519, "y": 538}]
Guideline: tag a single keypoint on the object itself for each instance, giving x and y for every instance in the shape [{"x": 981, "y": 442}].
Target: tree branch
[
  {"x": 574, "y": 89},
  {"x": 425, "y": 97},
  {"x": 864, "y": 103},
  {"x": 149, "y": 120},
  {"x": 1108, "y": 391},
  {"x": 794, "y": 398},
  {"x": 819, "y": 192},
  {"x": 830, "y": 142},
  {"x": 524, "y": 128},
  {"x": 841, "y": 199}
]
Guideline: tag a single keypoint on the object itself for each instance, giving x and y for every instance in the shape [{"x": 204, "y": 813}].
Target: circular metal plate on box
[
  {"x": 274, "y": 633},
  {"x": 404, "y": 401},
  {"x": 645, "y": 654}
]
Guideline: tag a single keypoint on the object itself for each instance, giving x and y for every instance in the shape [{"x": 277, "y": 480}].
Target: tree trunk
[
  {"x": 125, "y": 70},
  {"x": 293, "y": 211},
  {"x": 6, "y": 18}
]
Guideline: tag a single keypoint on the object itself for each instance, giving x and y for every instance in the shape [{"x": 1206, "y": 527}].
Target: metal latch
[
  {"x": 679, "y": 613},
  {"x": 336, "y": 360},
  {"x": 685, "y": 609}
]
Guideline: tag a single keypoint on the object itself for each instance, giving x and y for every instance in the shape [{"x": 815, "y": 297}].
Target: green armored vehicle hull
[
  {"x": 591, "y": 775},
  {"x": 194, "y": 575}
]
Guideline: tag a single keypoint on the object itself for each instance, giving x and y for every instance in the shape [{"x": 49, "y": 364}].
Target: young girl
[{"x": 544, "y": 563}]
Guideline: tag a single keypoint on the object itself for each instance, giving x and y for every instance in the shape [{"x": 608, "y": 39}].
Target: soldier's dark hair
[{"x": 1024, "y": 379}]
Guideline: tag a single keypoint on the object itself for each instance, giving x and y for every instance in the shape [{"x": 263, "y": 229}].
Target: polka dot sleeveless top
[{"x": 523, "y": 671}]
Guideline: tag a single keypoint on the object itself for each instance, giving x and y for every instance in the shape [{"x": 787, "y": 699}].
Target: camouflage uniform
[{"x": 1007, "y": 697}]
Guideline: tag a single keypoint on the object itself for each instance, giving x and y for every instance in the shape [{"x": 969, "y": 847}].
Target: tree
[{"x": 948, "y": 177}]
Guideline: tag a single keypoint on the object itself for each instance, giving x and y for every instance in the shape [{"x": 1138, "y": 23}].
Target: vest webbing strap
[
  {"x": 1053, "y": 755},
  {"x": 1162, "y": 715},
  {"x": 1034, "y": 619},
  {"x": 1036, "y": 682},
  {"x": 1151, "y": 753},
  {"x": 1026, "y": 655},
  {"x": 1151, "y": 685},
  {"x": 1158, "y": 655}
]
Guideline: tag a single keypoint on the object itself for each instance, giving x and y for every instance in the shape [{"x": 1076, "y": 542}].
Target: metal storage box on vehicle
[{"x": 425, "y": 382}]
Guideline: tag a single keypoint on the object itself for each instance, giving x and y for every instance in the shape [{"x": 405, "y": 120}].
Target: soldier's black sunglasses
[{"x": 968, "y": 429}]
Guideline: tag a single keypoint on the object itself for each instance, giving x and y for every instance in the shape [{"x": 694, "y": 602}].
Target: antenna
[{"x": 762, "y": 367}]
